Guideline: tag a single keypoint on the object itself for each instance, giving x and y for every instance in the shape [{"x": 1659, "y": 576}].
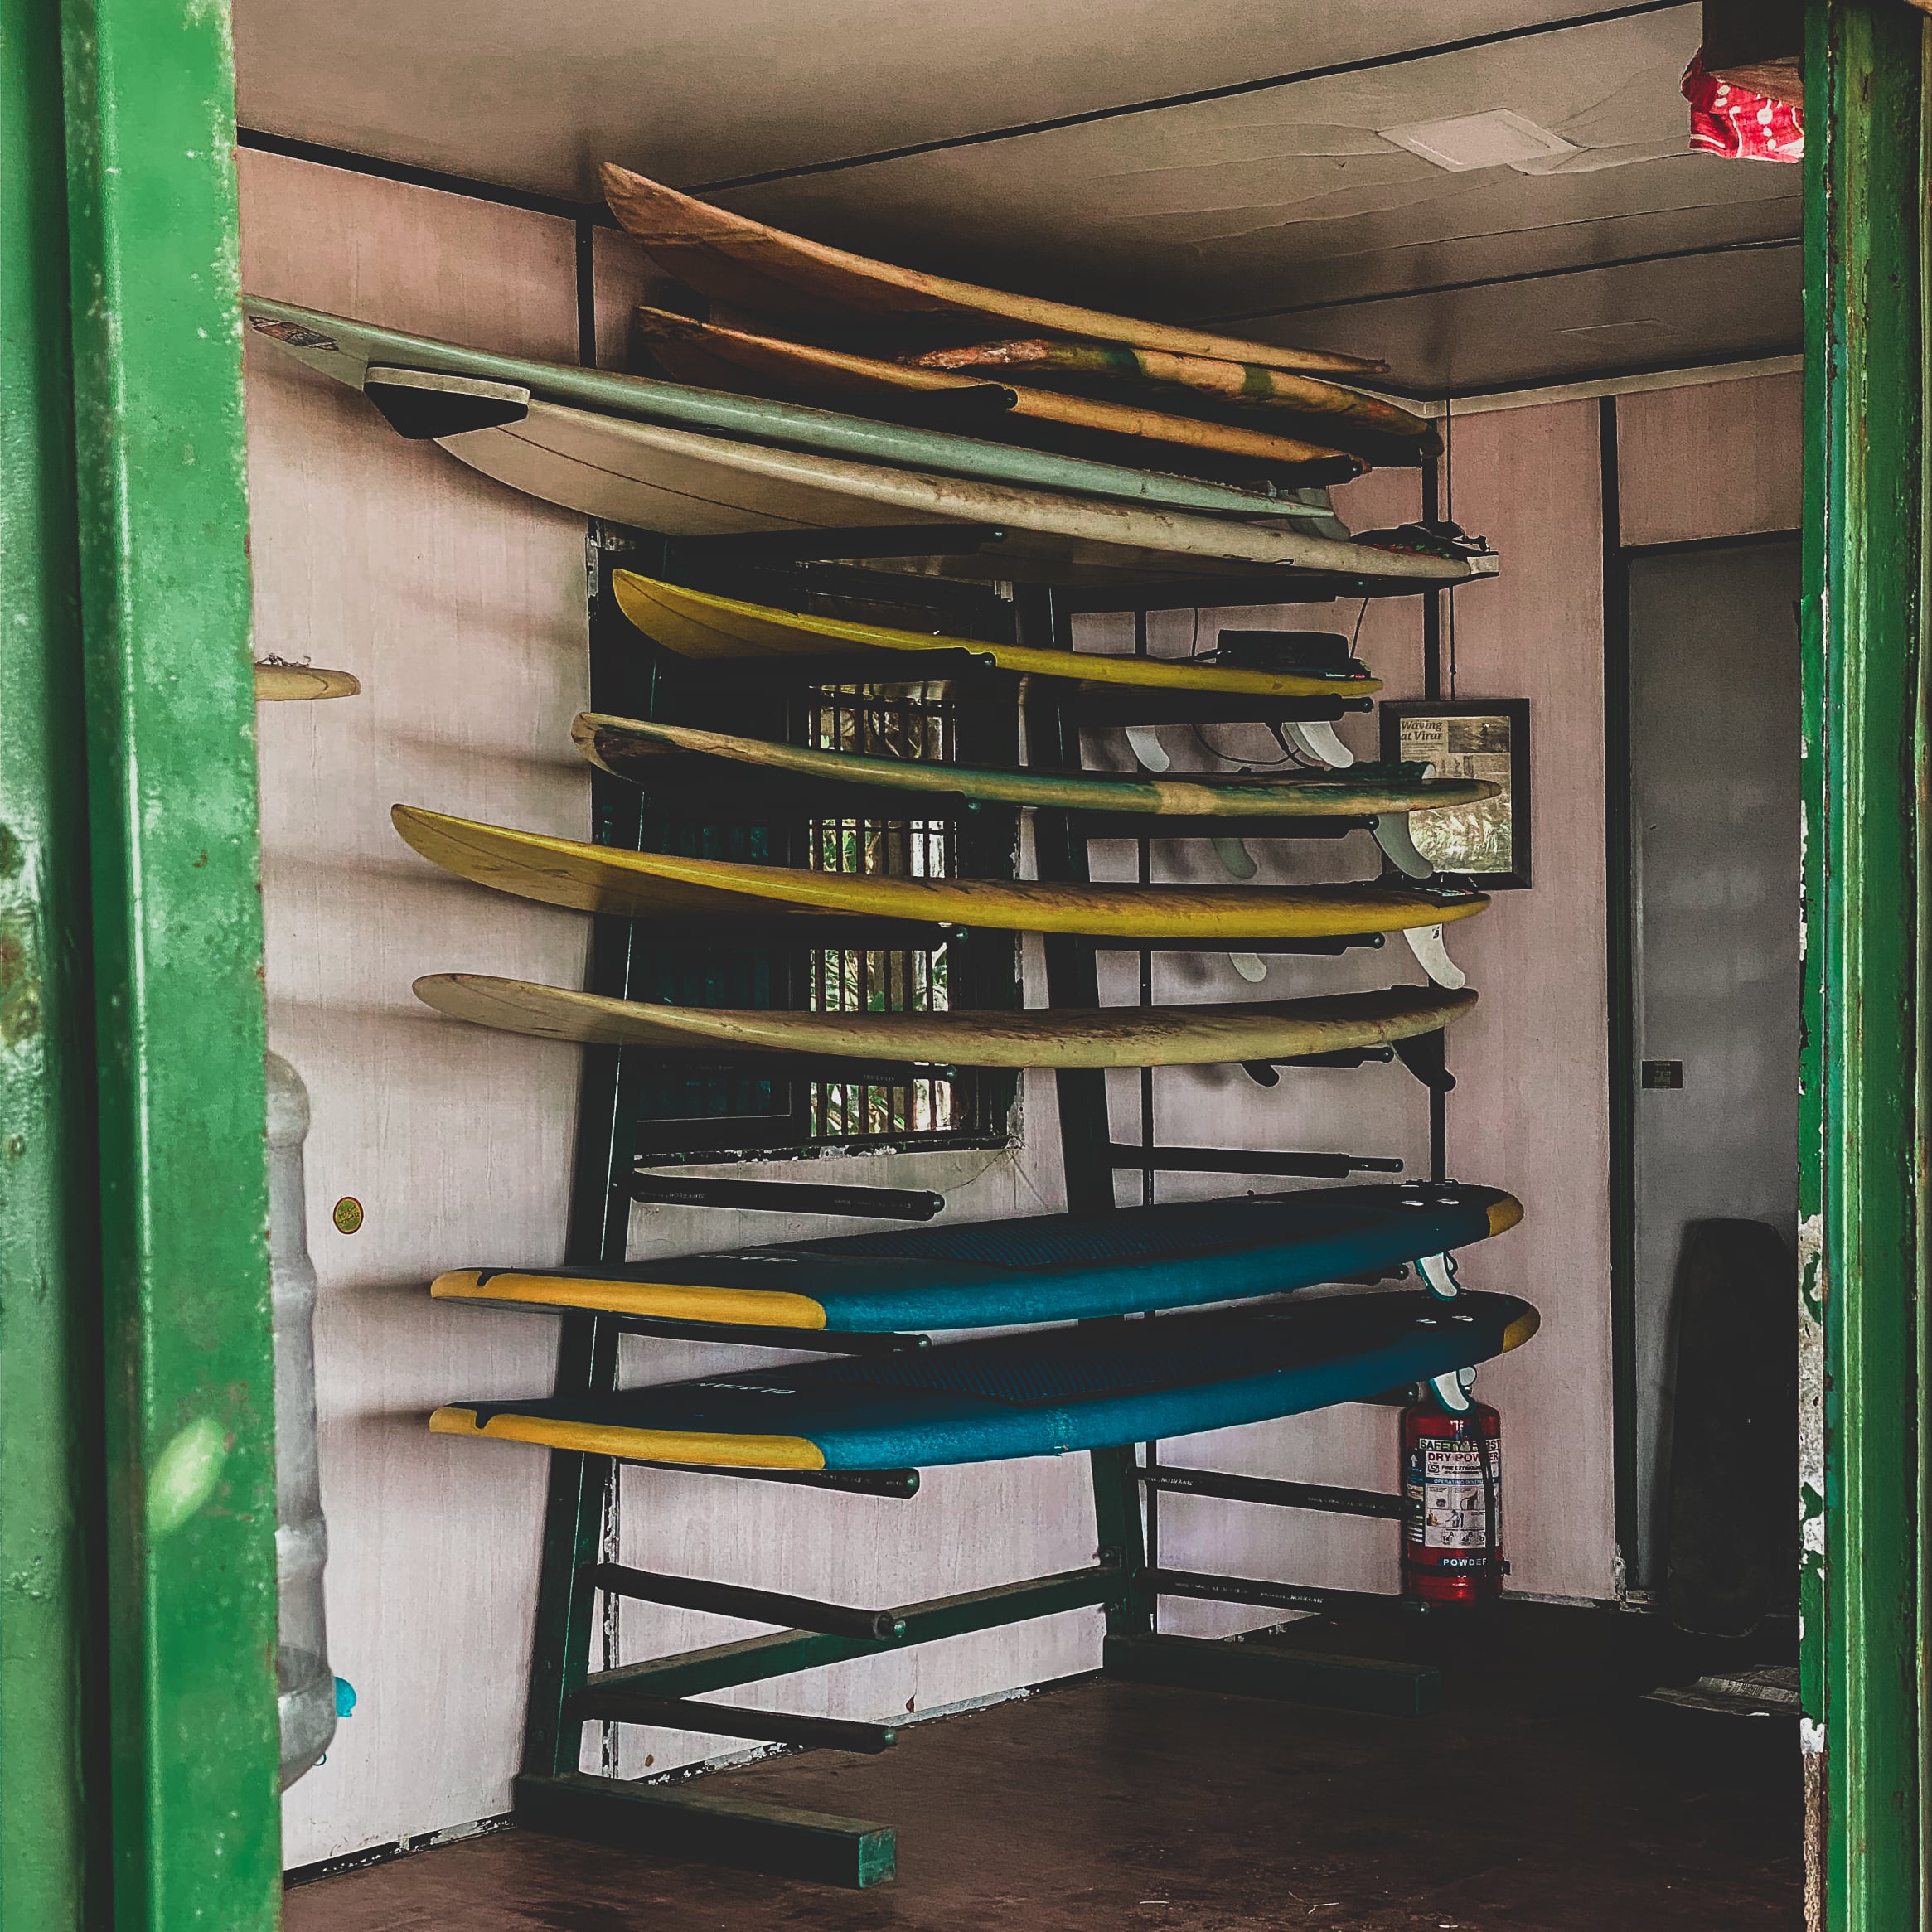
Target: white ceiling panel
[{"x": 535, "y": 97}]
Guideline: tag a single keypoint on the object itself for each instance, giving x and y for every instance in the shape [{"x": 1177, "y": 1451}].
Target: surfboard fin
[
  {"x": 1439, "y": 1272},
  {"x": 1237, "y": 861},
  {"x": 426, "y": 406},
  {"x": 1453, "y": 1391},
  {"x": 1146, "y": 743},
  {"x": 1425, "y": 942},
  {"x": 1316, "y": 738},
  {"x": 1390, "y": 830},
  {"x": 1251, "y": 965}
]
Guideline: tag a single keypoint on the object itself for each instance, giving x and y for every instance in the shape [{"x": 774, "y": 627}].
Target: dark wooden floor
[{"x": 1550, "y": 1800}]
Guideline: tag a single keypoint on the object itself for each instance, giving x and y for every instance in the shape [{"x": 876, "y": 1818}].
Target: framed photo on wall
[{"x": 1488, "y": 842}]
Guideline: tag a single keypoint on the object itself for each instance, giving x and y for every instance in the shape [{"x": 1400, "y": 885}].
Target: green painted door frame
[
  {"x": 1862, "y": 1236},
  {"x": 138, "y": 1760}
]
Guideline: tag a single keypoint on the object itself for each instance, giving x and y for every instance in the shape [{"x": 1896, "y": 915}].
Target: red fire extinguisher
[{"x": 1452, "y": 1534}]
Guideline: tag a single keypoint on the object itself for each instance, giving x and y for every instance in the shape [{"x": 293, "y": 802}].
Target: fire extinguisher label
[{"x": 1447, "y": 1506}]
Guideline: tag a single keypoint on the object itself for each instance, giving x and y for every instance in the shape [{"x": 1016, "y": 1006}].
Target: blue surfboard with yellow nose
[
  {"x": 1038, "y": 1394},
  {"x": 1040, "y": 1268}
]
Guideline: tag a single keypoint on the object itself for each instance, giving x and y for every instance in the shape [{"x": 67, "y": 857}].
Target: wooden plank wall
[{"x": 461, "y": 607}]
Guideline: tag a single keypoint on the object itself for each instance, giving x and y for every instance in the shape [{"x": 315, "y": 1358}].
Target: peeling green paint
[
  {"x": 185, "y": 1475},
  {"x": 1861, "y": 1420}
]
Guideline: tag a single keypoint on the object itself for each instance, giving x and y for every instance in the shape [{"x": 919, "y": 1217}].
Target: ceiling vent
[{"x": 1500, "y": 138}]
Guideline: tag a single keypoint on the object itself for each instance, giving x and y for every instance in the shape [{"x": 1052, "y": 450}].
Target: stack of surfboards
[
  {"x": 1034, "y": 1393},
  {"x": 1134, "y": 451},
  {"x": 794, "y": 319}
]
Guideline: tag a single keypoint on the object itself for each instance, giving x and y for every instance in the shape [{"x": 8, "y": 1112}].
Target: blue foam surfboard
[
  {"x": 1042, "y": 1268},
  {"x": 1038, "y": 1394}
]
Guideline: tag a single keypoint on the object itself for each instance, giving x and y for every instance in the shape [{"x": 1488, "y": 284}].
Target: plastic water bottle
[{"x": 307, "y": 1702}]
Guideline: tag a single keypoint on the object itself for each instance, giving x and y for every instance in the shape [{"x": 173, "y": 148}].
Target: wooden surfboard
[
  {"x": 345, "y": 351},
  {"x": 630, "y": 748},
  {"x": 1247, "y": 385},
  {"x": 1037, "y": 1268},
  {"x": 697, "y": 623},
  {"x": 607, "y": 878},
  {"x": 735, "y": 259},
  {"x": 720, "y": 358},
  {"x": 283, "y": 683},
  {"x": 1025, "y": 1395},
  {"x": 1124, "y": 1036}
]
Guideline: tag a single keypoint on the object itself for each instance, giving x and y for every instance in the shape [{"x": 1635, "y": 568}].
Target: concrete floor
[{"x": 1556, "y": 1802}]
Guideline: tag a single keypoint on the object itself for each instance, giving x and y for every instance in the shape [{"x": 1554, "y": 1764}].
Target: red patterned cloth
[{"x": 1730, "y": 120}]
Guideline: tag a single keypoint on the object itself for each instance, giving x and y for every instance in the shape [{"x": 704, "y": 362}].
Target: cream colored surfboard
[
  {"x": 652, "y": 478},
  {"x": 1127, "y": 1036}
]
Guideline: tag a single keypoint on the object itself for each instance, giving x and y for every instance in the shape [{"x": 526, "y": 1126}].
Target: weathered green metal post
[
  {"x": 1862, "y": 1136},
  {"x": 138, "y": 1780},
  {"x": 49, "y": 1275}
]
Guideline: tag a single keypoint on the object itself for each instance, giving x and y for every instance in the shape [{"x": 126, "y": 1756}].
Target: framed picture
[{"x": 1487, "y": 843}]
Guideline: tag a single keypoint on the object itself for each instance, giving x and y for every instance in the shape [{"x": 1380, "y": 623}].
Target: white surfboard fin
[
  {"x": 1439, "y": 1272},
  {"x": 426, "y": 405},
  {"x": 1146, "y": 743},
  {"x": 1398, "y": 845},
  {"x": 1453, "y": 1391},
  {"x": 1425, "y": 942},
  {"x": 1251, "y": 965},
  {"x": 1235, "y": 859},
  {"x": 1316, "y": 738}
]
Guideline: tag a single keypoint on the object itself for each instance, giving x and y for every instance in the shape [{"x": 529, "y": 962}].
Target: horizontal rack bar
[
  {"x": 1111, "y": 704},
  {"x": 1265, "y": 1595},
  {"x": 737, "y": 1334},
  {"x": 756, "y": 1606},
  {"x": 783, "y": 1652},
  {"x": 729, "y": 1720},
  {"x": 1134, "y": 825},
  {"x": 1263, "y": 1073},
  {"x": 692, "y": 1822},
  {"x": 1224, "y": 592},
  {"x": 859, "y": 933},
  {"x": 899, "y": 1485},
  {"x": 852, "y": 545},
  {"x": 1273, "y": 1492},
  {"x": 1239, "y": 1161},
  {"x": 658, "y": 1188}
]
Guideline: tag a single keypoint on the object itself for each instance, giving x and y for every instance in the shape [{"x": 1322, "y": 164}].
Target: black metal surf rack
[{"x": 619, "y": 1163}]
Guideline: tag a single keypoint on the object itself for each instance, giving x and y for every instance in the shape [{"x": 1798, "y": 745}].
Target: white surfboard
[{"x": 653, "y": 477}]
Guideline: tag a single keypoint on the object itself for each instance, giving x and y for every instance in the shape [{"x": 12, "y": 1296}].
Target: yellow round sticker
[{"x": 348, "y": 1215}]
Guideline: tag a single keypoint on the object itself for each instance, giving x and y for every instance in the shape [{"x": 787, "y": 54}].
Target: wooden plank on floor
[
  {"x": 1276, "y": 1670},
  {"x": 684, "y": 1822}
]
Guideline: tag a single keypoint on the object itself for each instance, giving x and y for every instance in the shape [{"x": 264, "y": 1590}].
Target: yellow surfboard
[
  {"x": 732, "y": 258},
  {"x": 605, "y": 878},
  {"x": 1246, "y": 384},
  {"x": 694, "y": 623},
  {"x": 1126, "y": 1036},
  {"x": 720, "y": 358}
]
